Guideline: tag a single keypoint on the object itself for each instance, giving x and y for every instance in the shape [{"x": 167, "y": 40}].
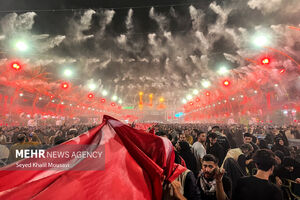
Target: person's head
[
  {"x": 247, "y": 149},
  {"x": 201, "y": 136},
  {"x": 279, "y": 141},
  {"x": 289, "y": 164},
  {"x": 21, "y": 137},
  {"x": 212, "y": 137},
  {"x": 215, "y": 129},
  {"x": 247, "y": 138},
  {"x": 209, "y": 164},
  {"x": 182, "y": 137},
  {"x": 264, "y": 160}
]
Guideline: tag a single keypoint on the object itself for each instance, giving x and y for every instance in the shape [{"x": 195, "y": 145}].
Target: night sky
[{"x": 163, "y": 47}]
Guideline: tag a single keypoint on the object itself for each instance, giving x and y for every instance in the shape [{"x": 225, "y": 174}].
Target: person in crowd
[
  {"x": 198, "y": 148},
  {"x": 237, "y": 136},
  {"x": 262, "y": 144},
  {"x": 181, "y": 137},
  {"x": 186, "y": 154},
  {"x": 188, "y": 136},
  {"x": 258, "y": 187},
  {"x": 212, "y": 182},
  {"x": 2, "y": 137},
  {"x": 229, "y": 136},
  {"x": 214, "y": 148},
  {"x": 33, "y": 139},
  {"x": 222, "y": 139},
  {"x": 248, "y": 139},
  {"x": 240, "y": 155},
  {"x": 289, "y": 170},
  {"x": 279, "y": 146},
  {"x": 59, "y": 134},
  {"x": 20, "y": 145}
]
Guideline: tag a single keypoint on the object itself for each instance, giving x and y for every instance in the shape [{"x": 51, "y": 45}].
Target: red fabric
[{"x": 135, "y": 164}]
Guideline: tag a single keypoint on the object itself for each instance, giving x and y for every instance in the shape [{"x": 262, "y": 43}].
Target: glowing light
[
  {"x": 207, "y": 93},
  {"x": 184, "y": 101},
  {"x": 161, "y": 99},
  {"x": 189, "y": 97},
  {"x": 68, "y": 73},
  {"x": 226, "y": 83},
  {"x": 114, "y": 98},
  {"x": 64, "y": 85},
  {"x": 195, "y": 92},
  {"x": 70, "y": 104},
  {"x": 285, "y": 112},
  {"x": 112, "y": 104},
  {"x": 242, "y": 96},
  {"x": 261, "y": 40},
  {"x": 151, "y": 95},
  {"x": 53, "y": 101},
  {"x": 205, "y": 83},
  {"x": 179, "y": 114},
  {"x": 282, "y": 71},
  {"x": 255, "y": 91},
  {"x": 16, "y": 66},
  {"x": 92, "y": 86},
  {"x": 104, "y": 93},
  {"x": 197, "y": 99},
  {"x": 232, "y": 98},
  {"x": 102, "y": 100},
  {"x": 21, "y": 46},
  {"x": 265, "y": 61},
  {"x": 21, "y": 94},
  {"x": 90, "y": 95},
  {"x": 120, "y": 101},
  {"x": 62, "y": 103},
  {"x": 191, "y": 103},
  {"x": 141, "y": 93},
  {"x": 276, "y": 85},
  {"x": 223, "y": 70},
  {"x": 40, "y": 98}
]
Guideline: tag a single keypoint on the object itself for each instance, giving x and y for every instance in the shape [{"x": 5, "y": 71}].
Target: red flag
[{"x": 135, "y": 165}]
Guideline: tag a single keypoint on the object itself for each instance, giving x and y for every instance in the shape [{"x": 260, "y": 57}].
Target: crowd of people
[
  {"x": 223, "y": 162},
  {"x": 236, "y": 162},
  {"x": 31, "y": 137}
]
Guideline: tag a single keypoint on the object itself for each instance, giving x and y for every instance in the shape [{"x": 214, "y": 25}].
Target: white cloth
[{"x": 198, "y": 151}]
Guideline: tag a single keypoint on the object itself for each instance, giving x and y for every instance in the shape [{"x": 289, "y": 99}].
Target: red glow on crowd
[
  {"x": 102, "y": 100},
  {"x": 207, "y": 93}
]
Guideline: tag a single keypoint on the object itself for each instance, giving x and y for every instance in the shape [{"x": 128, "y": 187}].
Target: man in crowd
[
  {"x": 198, "y": 148},
  {"x": 20, "y": 145},
  {"x": 248, "y": 140},
  {"x": 258, "y": 187},
  {"x": 215, "y": 148},
  {"x": 212, "y": 182},
  {"x": 222, "y": 139}
]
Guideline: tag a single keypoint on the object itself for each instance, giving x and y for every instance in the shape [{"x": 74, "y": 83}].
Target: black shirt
[
  {"x": 191, "y": 191},
  {"x": 252, "y": 188},
  {"x": 226, "y": 185}
]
